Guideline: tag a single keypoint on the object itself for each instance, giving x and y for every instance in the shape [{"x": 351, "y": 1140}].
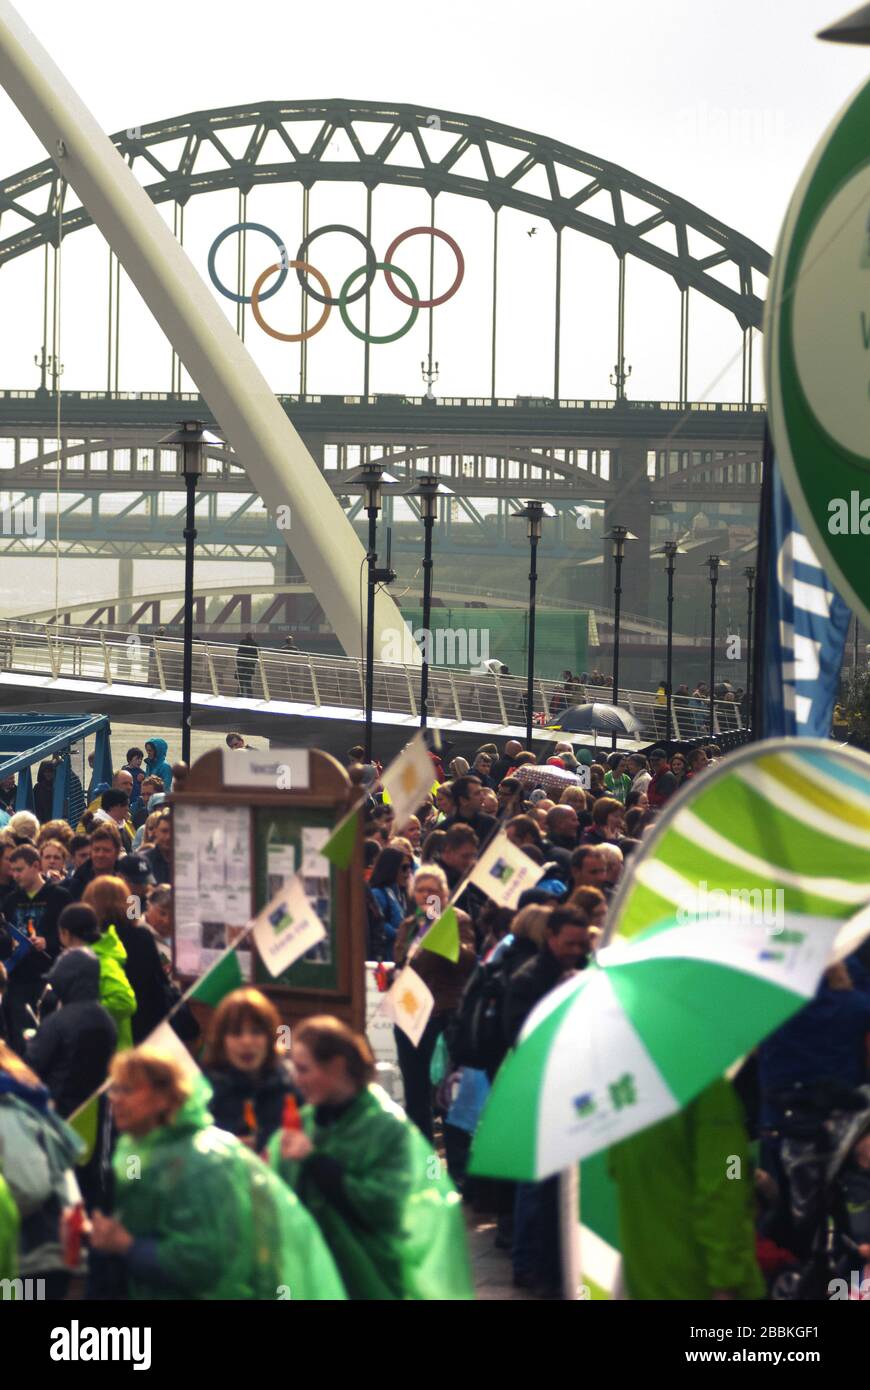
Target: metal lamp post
[
  {"x": 372, "y": 476},
  {"x": 713, "y": 563},
  {"x": 670, "y": 549},
  {"x": 534, "y": 513},
  {"x": 427, "y": 489},
  {"x": 617, "y": 535},
  {"x": 191, "y": 437},
  {"x": 749, "y": 572},
  {"x": 372, "y": 483}
]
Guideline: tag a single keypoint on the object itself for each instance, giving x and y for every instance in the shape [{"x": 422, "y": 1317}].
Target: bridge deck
[{"x": 147, "y": 672}]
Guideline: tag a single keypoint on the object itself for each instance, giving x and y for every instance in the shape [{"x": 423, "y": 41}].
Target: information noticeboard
[{"x": 240, "y": 830}]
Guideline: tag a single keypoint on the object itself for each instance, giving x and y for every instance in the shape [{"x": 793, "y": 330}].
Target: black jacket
[
  {"x": 527, "y": 987},
  {"x": 265, "y": 1089},
  {"x": 160, "y": 865},
  {"x": 481, "y": 823},
  {"x": 144, "y": 970},
  {"x": 77, "y": 882},
  {"x": 74, "y": 1045},
  {"x": 43, "y": 910}
]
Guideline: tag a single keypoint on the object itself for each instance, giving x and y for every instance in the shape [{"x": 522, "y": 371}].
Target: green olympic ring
[{"x": 373, "y": 337}]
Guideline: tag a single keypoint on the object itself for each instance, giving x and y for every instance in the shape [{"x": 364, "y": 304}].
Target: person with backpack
[{"x": 477, "y": 1037}]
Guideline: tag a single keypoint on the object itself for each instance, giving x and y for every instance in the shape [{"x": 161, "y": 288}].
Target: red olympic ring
[
  {"x": 273, "y": 332},
  {"x": 460, "y": 267}
]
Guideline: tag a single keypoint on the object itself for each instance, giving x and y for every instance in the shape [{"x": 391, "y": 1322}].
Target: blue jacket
[
  {"x": 159, "y": 767},
  {"x": 394, "y": 913}
]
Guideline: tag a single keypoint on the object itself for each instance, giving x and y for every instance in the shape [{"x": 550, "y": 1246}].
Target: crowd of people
[
  {"x": 755, "y": 1236},
  {"x": 325, "y": 1186}
]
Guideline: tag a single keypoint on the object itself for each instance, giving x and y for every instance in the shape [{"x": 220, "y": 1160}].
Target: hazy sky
[{"x": 721, "y": 103}]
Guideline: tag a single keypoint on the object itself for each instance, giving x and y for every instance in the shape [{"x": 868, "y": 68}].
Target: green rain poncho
[
  {"x": 8, "y": 1232},
  {"x": 395, "y": 1226},
  {"x": 211, "y": 1221},
  {"x": 686, "y": 1203},
  {"x": 116, "y": 993}
]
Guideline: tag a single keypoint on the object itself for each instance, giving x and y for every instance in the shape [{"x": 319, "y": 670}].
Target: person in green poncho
[
  {"x": 198, "y": 1216},
  {"x": 686, "y": 1204},
  {"x": 78, "y": 925},
  {"x": 9, "y": 1223},
  {"x": 380, "y": 1195}
]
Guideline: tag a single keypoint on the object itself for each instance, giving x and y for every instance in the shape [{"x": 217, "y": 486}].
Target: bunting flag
[
  {"x": 410, "y": 1003},
  {"x": 165, "y": 1039},
  {"x": 730, "y": 912},
  {"x": 806, "y": 623},
  {"x": 443, "y": 935},
  {"x": 408, "y": 779},
  {"x": 219, "y": 980},
  {"x": 287, "y": 927},
  {"x": 503, "y": 872},
  {"x": 340, "y": 846}
]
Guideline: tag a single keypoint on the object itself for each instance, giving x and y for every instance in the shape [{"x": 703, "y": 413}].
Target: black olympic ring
[{"x": 371, "y": 267}]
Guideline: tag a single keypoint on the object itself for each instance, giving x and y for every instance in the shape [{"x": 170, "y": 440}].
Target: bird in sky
[{"x": 532, "y": 231}]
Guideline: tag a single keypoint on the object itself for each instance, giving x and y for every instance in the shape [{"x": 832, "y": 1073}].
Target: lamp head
[
  {"x": 853, "y": 28},
  {"x": 193, "y": 438}
]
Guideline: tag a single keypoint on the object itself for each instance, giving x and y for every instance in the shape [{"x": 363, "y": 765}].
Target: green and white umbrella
[
  {"x": 705, "y": 976},
  {"x": 782, "y": 826}
]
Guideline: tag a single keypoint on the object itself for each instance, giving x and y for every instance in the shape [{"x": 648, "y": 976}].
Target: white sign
[
  {"x": 284, "y": 769},
  {"x": 410, "y": 1001},
  {"x": 408, "y": 779},
  {"x": 287, "y": 927},
  {"x": 504, "y": 872}
]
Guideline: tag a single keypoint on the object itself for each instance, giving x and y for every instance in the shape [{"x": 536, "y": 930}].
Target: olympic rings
[
  {"x": 298, "y": 266},
  {"x": 371, "y": 337},
  {"x": 304, "y": 268},
  {"x": 251, "y": 227},
  {"x": 370, "y": 265},
  {"x": 460, "y": 267}
]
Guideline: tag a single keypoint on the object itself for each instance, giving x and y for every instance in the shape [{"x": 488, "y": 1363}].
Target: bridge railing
[{"x": 225, "y": 671}]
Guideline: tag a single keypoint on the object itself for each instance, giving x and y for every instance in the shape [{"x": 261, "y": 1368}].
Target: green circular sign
[{"x": 817, "y": 351}]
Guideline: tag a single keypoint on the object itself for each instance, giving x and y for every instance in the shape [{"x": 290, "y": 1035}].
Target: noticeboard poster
[
  {"x": 212, "y": 885},
  {"x": 289, "y": 840}
]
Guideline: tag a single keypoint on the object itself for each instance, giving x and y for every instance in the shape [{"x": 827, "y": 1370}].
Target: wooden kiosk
[{"x": 242, "y": 822}]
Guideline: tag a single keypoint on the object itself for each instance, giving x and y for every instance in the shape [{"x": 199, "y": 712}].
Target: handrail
[
  {"x": 338, "y": 682},
  {"x": 480, "y": 402}
]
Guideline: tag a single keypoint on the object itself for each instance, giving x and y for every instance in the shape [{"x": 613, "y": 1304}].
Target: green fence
[{"x": 466, "y": 637}]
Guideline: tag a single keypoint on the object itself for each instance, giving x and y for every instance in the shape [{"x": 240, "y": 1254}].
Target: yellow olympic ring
[{"x": 255, "y": 301}]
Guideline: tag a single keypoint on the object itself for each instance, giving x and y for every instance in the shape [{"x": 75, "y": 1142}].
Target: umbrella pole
[{"x": 569, "y": 1231}]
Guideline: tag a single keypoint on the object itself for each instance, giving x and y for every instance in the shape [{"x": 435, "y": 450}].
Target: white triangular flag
[
  {"x": 410, "y": 1001},
  {"x": 287, "y": 927},
  {"x": 165, "y": 1039},
  {"x": 408, "y": 779},
  {"x": 504, "y": 871}
]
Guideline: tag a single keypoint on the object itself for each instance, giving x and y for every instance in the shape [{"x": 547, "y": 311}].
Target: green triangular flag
[
  {"x": 223, "y": 977},
  {"x": 443, "y": 936},
  {"x": 340, "y": 846}
]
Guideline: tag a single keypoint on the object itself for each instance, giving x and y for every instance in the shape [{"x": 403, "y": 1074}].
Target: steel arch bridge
[
  {"x": 573, "y": 179},
  {"x": 506, "y": 168}
]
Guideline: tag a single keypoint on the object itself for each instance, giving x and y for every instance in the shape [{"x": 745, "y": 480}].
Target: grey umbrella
[{"x": 597, "y": 718}]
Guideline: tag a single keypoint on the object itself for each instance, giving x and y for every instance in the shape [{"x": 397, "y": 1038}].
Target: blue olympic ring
[{"x": 248, "y": 227}]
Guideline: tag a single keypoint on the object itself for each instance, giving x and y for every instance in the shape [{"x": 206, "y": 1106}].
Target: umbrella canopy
[
  {"x": 597, "y": 718},
  {"x": 639, "y": 1035},
  {"x": 706, "y": 974}
]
